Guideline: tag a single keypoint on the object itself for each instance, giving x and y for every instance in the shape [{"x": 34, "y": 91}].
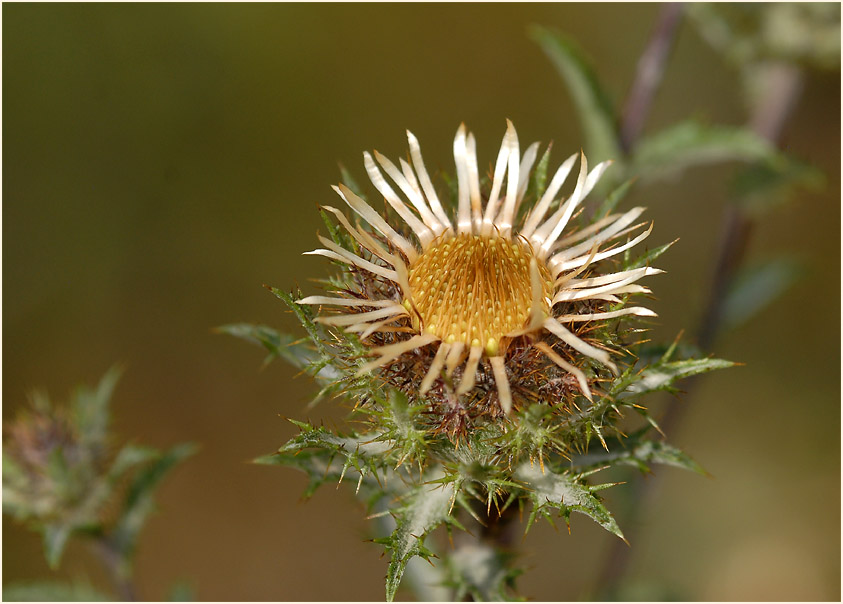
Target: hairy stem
[{"x": 780, "y": 91}]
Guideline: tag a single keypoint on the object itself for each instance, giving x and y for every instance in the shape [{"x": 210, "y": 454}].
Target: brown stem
[
  {"x": 781, "y": 91},
  {"x": 648, "y": 75},
  {"x": 112, "y": 560}
]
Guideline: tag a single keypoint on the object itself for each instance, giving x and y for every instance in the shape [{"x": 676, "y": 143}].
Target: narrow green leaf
[
  {"x": 540, "y": 175},
  {"x": 647, "y": 258},
  {"x": 592, "y": 104},
  {"x": 139, "y": 502},
  {"x": 612, "y": 199},
  {"x": 349, "y": 181},
  {"x": 756, "y": 287},
  {"x": 690, "y": 143}
]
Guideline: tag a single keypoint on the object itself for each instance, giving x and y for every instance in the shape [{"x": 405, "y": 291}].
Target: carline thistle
[{"x": 480, "y": 312}]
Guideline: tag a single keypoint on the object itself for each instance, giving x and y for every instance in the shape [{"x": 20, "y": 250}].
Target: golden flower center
[{"x": 474, "y": 289}]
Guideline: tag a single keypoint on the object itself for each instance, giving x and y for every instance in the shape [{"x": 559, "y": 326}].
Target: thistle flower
[{"x": 488, "y": 295}]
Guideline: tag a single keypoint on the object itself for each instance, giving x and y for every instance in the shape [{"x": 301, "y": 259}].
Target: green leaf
[
  {"x": 139, "y": 502},
  {"x": 305, "y": 316},
  {"x": 349, "y": 181},
  {"x": 90, "y": 408},
  {"x": 425, "y": 509},
  {"x": 756, "y": 287},
  {"x": 279, "y": 345},
  {"x": 325, "y": 456},
  {"x": 182, "y": 591},
  {"x": 690, "y": 143},
  {"x": 638, "y": 452},
  {"x": 540, "y": 175},
  {"x": 129, "y": 457},
  {"x": 53, "y": 591},
  {"x": 592, "y": 104},
  {"x": 55, "y": 540},
  {"x": 646, "y": 259},
  {"x": 480, "y": 573},
  {"x": 661, "y": 376},
  {"x": 612, "y": 199},
  {"x": 761, "y": 186},
  {"x": 564, "y": 492}
]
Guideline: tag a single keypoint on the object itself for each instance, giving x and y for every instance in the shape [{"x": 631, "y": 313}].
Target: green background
[{"x": 162, "y": 162}]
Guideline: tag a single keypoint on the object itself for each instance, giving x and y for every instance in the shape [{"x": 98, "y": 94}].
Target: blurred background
[{"x": 162, "y": 162}]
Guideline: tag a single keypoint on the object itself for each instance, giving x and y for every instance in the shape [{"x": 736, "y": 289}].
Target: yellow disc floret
[{"x": 474, "y": 289}]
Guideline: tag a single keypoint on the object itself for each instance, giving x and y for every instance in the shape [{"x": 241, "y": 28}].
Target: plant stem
[
  {"x": 780, "y": 90},
  {"x": 113, "y": 561},
  {"x": 648, "y": 75}
]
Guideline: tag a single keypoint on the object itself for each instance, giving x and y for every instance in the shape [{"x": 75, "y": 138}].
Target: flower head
[{"x": 491, "y": 295}]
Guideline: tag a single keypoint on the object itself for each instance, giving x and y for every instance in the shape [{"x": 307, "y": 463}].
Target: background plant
[{"x": 63, "y": 479}]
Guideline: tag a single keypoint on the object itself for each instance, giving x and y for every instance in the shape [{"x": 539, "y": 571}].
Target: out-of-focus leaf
[
  {"x": 55, "y": 540},
  {"x": 591, "y": 102},
  {"x": 53, "y": 591},
  {"x": 425, "y": 508},
  {"x": 612, "y": 199},
  {"x": 564, "y": 492},
  {"x": 687, "y": 144},
  {"x": 349, "y": 181},
  {"x": 757, "y": 287},
  {"x": 90, "y": 408},
  {"x": 182, "y": 591},
  {"x": 140, "y": 502},
  {"x": 764, "y": 186},
  {"x": 129, "y": 457},
  {"x": 481, "y": 573}
]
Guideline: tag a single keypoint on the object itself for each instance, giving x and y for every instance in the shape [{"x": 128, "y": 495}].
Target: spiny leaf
[
  {"x": 661, "y": 376},
  {"x": 325, "y": 456},
  {"x": 638, "y": 452},
  {"x": 566, "y": 493},
  {"x": 280, "y": 345},
  {"x": 304, "y": 315},
  {"x": 591, "y": 102},
  {"x": 425, "y": 508},
  {"x": 690, "y": 143},
  {"x": 647, "y": 258}
]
